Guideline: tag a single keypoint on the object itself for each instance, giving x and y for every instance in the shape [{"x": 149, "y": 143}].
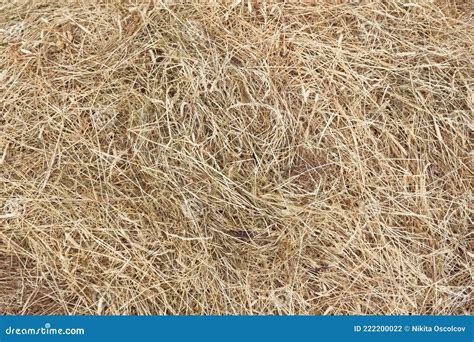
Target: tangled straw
[{"x": 254, "y": 158}]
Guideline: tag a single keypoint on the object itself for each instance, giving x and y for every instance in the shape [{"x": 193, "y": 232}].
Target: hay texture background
[{"x": 236, "y": 158}]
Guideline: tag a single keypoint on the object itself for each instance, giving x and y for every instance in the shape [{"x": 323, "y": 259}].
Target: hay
[{"x": 236, "y": 158}]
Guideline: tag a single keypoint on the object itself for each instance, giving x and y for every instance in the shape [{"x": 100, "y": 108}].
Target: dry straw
[{"x": 236, "y": 158}]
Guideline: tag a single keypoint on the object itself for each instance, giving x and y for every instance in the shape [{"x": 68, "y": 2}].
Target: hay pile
[{"x": 236, "y": 158}]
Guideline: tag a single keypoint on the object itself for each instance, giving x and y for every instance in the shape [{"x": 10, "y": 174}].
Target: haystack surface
[{"x": 206, "y": 157}]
